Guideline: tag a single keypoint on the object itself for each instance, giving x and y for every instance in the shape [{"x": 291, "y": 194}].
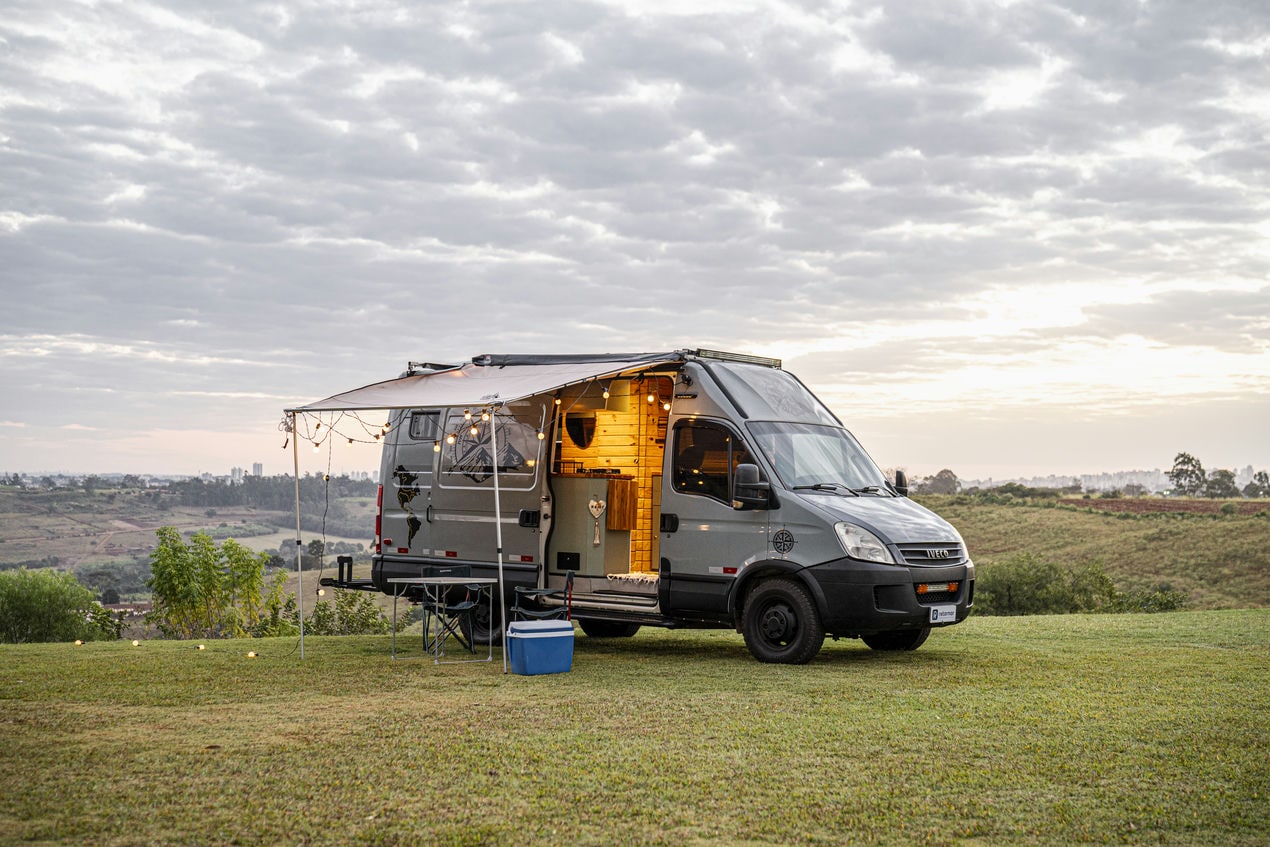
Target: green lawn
[{"x": 1143, "y": 729}]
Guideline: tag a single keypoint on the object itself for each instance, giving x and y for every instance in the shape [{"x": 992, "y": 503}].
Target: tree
[
  {"x": 43, "y": 605},
  {"x": 1260, "y": 485},
  {"x": 1221, "y": 485},
  {"x": 1187, "y": 476},
  {"x": 944, "y": 482},
  {"x": 204, "y": 589}
]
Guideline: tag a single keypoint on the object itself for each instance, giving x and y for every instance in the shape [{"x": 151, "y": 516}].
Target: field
[
  {"x": 1220, "y": 561},
  {"x": 1142, "y": 729}
]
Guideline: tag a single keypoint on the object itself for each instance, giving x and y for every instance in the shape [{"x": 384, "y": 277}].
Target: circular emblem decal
[{"x": 783, "y": 541}]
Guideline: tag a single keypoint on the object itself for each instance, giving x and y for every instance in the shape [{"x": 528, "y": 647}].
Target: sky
[{"x": 1003, "y": 238}]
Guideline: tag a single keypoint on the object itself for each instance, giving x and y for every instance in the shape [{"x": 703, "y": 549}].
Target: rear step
[{"x": 345, "y": 578}]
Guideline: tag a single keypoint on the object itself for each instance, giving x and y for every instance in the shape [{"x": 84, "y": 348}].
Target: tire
[
  {"x": 476, "y": 626},
  {"x": 607, "y": 629},
  {"x": 781, "y": 624},
  {"x": 903, "y": 639}
]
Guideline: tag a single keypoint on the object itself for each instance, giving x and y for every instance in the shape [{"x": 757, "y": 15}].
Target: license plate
[{"x": 943, "y": 614}]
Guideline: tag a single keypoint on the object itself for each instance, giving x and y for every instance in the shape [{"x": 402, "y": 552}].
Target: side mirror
[
  {"x": 901, "y": 483},
  {"x": 748, "y": 491}
]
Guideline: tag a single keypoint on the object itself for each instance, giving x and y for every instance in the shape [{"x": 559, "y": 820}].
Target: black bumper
[{"x": 860, "y": 598}]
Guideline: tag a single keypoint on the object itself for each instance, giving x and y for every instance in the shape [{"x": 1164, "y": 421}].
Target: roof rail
[{"x": 735, "y": 357}]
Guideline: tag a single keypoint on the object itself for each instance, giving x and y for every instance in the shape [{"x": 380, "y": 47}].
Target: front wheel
[
  {"x": 903, "y": 639},
  {"x": 780, "y": 623}
]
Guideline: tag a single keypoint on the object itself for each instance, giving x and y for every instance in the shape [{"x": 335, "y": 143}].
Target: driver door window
[{"x": 705, "y": 457}]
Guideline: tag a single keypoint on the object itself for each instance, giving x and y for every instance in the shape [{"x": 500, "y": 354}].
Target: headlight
[{"x": 862, "y": 544}]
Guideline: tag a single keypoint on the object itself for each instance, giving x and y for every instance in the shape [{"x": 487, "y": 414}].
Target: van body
[{"x": 692, "y": 489}]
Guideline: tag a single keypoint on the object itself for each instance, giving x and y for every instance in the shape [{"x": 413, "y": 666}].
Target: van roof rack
[{"x": 735, "y": 357}]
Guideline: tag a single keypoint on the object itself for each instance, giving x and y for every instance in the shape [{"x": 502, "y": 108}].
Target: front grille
[
  {"x": 934, "y": 554},
  {"x": 935, "y": 598}
]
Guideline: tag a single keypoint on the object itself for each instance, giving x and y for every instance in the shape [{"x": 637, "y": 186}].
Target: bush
[
  {"x": 1025, "y": 584},
  {"x": 40, "y": 606},
  {"x": 353, "y": 614},
  {"x": 207, "y": 590}
]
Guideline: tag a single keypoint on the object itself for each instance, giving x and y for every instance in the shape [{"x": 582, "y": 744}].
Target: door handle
[{"x": 669, "y": 522}]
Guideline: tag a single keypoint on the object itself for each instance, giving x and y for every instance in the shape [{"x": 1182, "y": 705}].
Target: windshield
[{"x": 811, "y": 454}]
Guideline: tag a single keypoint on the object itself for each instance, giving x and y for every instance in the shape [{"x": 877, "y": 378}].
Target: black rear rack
[{"x": 344, "y": 566}]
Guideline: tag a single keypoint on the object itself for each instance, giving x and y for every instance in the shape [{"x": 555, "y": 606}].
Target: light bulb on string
[
  {"x": 666, "y": 406},
  {"x": 473, "y": 431},
  {"x": 436, "y": 447},
  {"x": 485, "y": 416},
  {"x": 316, "y": 446},
  {"x": 450, "y": 439},
  {"x": 606, "y": 394},
  {"x": 467, "y": 414},
  {"x": 652, "y": 398},
  {"x": 541, "y": 435}
]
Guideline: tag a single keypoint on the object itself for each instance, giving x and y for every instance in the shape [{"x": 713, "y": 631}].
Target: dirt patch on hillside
[{"x": 1144, "y": 506}]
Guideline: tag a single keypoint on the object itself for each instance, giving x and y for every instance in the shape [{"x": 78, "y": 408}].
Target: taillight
[{"x": 379, "y": 517}]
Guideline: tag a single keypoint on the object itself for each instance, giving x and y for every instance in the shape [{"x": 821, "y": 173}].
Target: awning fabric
[{"x": 486, "y": 380}]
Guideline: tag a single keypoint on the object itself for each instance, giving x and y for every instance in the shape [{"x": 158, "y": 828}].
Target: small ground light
[
  {"x": 321, "y": 592},
  {"x": 79, "y": 643},
  {"x": 136, "y": 643},
  {"x": 201, "y": 647},
  {"x": 251, "y": 654}
]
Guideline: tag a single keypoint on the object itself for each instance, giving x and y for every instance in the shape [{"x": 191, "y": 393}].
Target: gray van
[{"x": 684, "y": 489}]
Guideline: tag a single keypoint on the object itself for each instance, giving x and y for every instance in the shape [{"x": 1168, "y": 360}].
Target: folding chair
[{"x": 529, "y": 602}]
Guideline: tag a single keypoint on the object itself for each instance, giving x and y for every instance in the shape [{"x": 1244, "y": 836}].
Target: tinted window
[{"x": 705, "y": 457}]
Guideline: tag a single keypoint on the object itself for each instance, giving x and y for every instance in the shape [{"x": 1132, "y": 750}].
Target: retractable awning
[{"x": 486, "y": 380}]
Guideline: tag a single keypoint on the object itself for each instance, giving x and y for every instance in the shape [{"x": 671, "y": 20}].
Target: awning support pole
[
  {"x": 299, "y": 558},
  {"x": 498, "y": 532}
]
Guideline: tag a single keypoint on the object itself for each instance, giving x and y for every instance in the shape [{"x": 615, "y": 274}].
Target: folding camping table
[{"x": 435, "y": 588}]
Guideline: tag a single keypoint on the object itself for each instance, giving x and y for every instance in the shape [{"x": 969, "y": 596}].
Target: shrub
[
  {"x": 353, "y": 614},
  {"x": 40, "y": 606},
  {"x": 1025, "y": 584},
  {"x": 204, "y": 589}
]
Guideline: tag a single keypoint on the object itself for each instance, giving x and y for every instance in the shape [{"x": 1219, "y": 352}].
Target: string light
[
  {"x": 436, "y": 447},
  {"x": 467, "y": 414},
  {"x": 652, "y": 398},
  {"x": 666, "y": 405},
  {"x": 484, "y": 417},
  {"x": 541, "y": 435},
  {"x": 316, "y": 446},
  {"x": 450, "y": 439},
  {"x": 473, "y": 431},
  {"x": 606, "y": 394},
  {"x": 321, "y": 592}
]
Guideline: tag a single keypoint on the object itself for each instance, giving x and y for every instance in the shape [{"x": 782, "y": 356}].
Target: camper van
[{"x": 687, "y": 489}]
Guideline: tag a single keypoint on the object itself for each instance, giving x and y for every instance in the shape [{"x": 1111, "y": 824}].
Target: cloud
[{"x": 973, "y": 203}]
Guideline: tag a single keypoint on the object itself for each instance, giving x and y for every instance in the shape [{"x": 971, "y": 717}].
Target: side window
[
  {"x": 425, "y": 426},
  {"x": 705, "y": 457}
]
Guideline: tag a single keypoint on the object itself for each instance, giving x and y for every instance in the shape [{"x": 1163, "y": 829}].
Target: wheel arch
[{"x": 756, "y": 572}]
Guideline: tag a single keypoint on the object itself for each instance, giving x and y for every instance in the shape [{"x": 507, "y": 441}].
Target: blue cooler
[{"x": 535, "y": 647}]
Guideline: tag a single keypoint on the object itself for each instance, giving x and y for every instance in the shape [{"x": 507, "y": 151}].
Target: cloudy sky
[{"x": 1004, "y": 238}]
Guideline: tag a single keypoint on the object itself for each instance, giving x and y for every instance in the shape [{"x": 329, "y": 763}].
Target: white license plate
[{"x": 943, "y": 614}]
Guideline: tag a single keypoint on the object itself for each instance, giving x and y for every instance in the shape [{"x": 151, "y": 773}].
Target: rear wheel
[
  {"x": 479, "y": 629},
  {"x": 608, "y": 629},
  {"x": 781, "y": 624},
  {"x": 904, "y": 639}
]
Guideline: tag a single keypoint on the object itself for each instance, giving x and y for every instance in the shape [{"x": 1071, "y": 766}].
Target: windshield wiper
[
  {"x": 826, "y": 486},
  {"x": 868, "y": 489}
]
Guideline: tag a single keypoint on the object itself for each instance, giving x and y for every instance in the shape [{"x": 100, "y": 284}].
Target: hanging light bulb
[
  {"x": 606, "y": 394},
  {"x": 557, "y": 401},
  {"x": 316, "y": 446},
  {"x": 436, "y": 447},
  {"x": 450, "y": 439},
  {"x": 473, "y": 431},
  {"x": 666, "y": 405},
  {"x": 541, "y": 435},
  {"x": 350, "y": 442},
  {"x": 321, "y": 592},
  {"x": 467, "y": 414},
  {"x": 319, "y": 426},
  {"x": 530, "y": 462},
  {"x": 386, "y": 425},
  {"x": 484, "y": 416},
  {"x": 652, "y": 398}
]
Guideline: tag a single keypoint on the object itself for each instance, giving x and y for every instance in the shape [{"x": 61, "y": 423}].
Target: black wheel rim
[{"x": 778, "y": 624}]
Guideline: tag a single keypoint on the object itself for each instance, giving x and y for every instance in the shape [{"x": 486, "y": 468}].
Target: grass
[
  {"x": 1143, "y": 729},
  {"x": 1221, "y": 562}
]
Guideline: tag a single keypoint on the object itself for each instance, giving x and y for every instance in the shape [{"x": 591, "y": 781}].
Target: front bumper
[{"x": 861, "y": 598}]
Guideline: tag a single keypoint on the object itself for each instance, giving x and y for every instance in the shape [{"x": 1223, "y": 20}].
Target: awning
[{"x": 486, "y": 380}]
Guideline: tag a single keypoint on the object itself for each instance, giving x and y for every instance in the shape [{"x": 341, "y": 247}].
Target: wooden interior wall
[{"x": 629, "y": 440}]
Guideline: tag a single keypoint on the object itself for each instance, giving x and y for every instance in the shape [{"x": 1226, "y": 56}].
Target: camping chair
[
  {"x": 451, "y": 609},
  {"x": 528, "y": 602}
]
